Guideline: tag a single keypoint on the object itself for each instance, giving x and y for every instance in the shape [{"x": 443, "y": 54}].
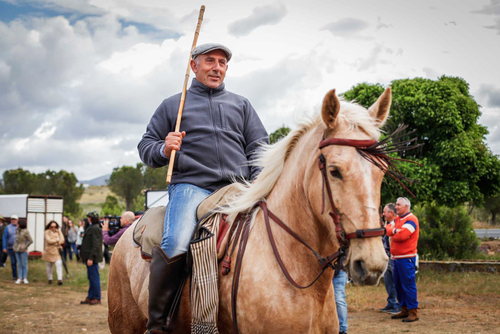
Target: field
[
  {"x": 94, "y": 196},
  {"x": 450, "y": 303}
]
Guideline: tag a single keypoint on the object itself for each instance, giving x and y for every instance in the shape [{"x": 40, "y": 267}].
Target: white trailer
[{"x": 37, "y": 210}]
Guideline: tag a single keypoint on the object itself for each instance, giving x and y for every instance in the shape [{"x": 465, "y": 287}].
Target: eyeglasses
[{"x": 53, "y": 227}]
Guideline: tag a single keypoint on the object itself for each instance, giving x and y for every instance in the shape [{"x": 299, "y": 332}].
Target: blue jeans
[
  {"x": 404, "y": 280},
  {"x": 339, "y": 289},
  {"x": 72, "y": 247},
  {"x": 94, "y": 282},
  {"x": 22, "y": 265},
  {"x": 13, "y": 262},
  {"x": 180, "y": 218},
  {"x": 67, "y": 250},
  {"x": 392, "y": 301}
]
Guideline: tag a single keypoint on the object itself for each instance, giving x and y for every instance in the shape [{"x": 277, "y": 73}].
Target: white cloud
[
  {"x": 489, "y": 96},
  {"x": 78, "y": 90},
  {"x": 140, "y": 60},
  {"x": 45, "y": 131},
  {"x": 495, "y": 26},
  {"x": 493, "y": 8},
  {"x": 430, "y": 73},
  {"x": 348, "y": 28},
  {"x": 261, "y": 16}
]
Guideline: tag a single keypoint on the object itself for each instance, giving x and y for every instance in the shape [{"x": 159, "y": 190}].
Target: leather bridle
[
  {"x": 324, "y": 262},
  {"x": 341, "y": 236}
]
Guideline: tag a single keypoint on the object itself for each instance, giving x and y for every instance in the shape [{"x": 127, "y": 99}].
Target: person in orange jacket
[{"x": 404, "y": 232}]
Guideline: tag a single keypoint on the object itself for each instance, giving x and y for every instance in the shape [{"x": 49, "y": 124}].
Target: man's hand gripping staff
[{"x": 173, "y": 142}]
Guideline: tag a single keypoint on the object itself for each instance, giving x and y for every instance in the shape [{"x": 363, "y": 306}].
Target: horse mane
[{"x": 272, "y": 157}]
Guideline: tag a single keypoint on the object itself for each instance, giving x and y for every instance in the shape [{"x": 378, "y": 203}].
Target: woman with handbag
[{"x": 54, "y": 239}]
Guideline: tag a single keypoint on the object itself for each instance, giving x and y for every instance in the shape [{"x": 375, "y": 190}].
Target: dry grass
[
  {"x": 481, "y": 224},
  {"x": 95, "y": 195},
  {"x": 429, "y": 283}
]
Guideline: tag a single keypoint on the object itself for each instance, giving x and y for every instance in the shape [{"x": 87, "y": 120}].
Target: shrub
[
  {"x": 111, "y": 207},
  {"x": 445, "y": 232}
]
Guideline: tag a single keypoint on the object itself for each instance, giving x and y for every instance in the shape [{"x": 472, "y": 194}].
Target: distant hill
[{"x": 98, "y": 181}]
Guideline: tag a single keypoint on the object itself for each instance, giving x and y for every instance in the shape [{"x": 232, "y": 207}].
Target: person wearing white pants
[
  {"x": 59, "y": 271},
  {"x": 54, "y": 239}
]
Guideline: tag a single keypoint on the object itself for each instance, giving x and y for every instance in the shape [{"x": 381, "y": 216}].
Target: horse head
[{"x": 354, "y": 182}]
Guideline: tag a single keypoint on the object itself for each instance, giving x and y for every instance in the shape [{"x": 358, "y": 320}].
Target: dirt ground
[
  {"x": 437, "y": 315},
  {"x": 491, "y": 246},
  {"x": 43, "y": 308}
]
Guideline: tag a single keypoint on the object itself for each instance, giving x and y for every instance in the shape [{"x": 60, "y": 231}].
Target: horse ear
[
  {"x": 330, "y": 109},
  {"x": 380, "y": 109}
]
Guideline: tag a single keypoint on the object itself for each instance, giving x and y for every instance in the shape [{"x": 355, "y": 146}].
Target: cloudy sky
[{"x": 80, "y": 79}]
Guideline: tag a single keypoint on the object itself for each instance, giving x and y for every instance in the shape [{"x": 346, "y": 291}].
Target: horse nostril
[{"x": 360, "y": 270}]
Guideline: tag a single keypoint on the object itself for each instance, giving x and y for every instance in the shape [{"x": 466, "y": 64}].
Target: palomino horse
[{"x": 292, "y": 185}]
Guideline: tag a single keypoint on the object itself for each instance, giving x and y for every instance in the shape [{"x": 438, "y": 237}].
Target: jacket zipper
[{"x": 216, "y": 133}]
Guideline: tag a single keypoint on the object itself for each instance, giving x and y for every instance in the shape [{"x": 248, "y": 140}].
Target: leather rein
[{"x": 241, "y": 227}]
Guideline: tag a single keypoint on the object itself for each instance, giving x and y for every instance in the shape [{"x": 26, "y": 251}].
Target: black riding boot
[{"x": 166, "y": 280}]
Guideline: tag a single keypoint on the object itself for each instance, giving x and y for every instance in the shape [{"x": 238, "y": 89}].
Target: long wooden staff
[{"x": 183, "y": 96}]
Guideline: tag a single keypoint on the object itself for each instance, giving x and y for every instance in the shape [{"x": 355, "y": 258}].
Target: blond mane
[{"x": 272, "y": 158}]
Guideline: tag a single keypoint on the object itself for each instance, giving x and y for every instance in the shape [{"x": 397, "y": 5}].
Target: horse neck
[{"x": 290, "y": 203}]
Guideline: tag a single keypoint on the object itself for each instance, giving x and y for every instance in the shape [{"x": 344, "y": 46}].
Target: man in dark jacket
[
  {"x": 91, "y": 254},
  {"x": 220, "y": 135},
  {"x": 392, "y": 306}
]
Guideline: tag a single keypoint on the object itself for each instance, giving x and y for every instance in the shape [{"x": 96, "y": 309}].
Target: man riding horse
[{"x": 220, "y": 134}]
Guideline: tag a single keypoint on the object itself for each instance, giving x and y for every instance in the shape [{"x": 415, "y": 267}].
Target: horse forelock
[{"x": 352, "y": 117}]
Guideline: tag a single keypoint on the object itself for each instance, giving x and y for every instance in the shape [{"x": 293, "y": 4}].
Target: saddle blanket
[{"x": 207, "y": 246}]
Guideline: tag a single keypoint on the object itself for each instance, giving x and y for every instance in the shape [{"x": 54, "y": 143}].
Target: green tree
[
  {"x": 139, "y": 203},
  {"x": 153, "y": 178},
  {"x": 458, "y": 166},
  {"x": 62, "y": 183},
  {"x": 278, "y": 134},
  {"x": 126, "y": 182},
  {"x": 111, "y": 207},
  {"x": 492, "y": 205},
  {"x": 445, "y": 232},
  {"x": 18, "y": 181}
]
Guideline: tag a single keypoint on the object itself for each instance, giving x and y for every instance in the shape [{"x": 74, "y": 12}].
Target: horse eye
[{"x": 334, "y": 172}]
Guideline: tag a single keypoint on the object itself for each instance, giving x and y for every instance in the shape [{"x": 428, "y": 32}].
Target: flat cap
[{"x": 206, "y": 48}]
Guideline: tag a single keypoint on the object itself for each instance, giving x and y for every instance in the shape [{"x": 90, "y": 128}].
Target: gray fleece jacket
[{"x": 223, "y": 134}]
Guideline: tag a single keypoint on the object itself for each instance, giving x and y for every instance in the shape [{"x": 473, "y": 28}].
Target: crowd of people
[
  {"x": 400, "y": 243},
  {"x": 61, "y": 242}
]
